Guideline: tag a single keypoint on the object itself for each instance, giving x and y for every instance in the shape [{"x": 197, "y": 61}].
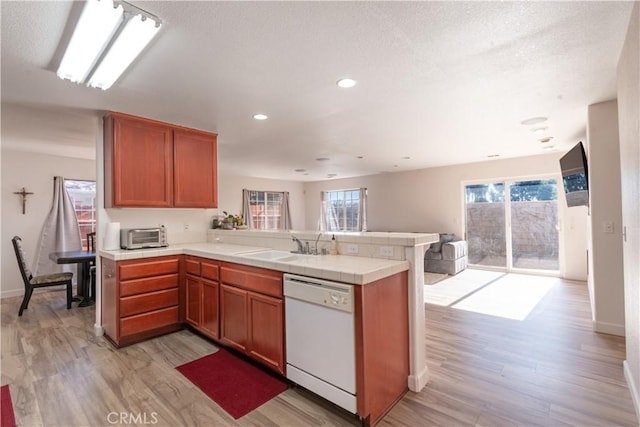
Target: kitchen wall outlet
[
  {"x": 352, "y": 249},
  {"x": 607, "y": 227},
  {"x": 186, "y": 227},
  {"x": 386, "y": 250}
]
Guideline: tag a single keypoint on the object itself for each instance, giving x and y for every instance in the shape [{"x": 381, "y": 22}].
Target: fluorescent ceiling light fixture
[
  {"x": 108, "y": 37},
  {"x": 98, "y": 22},
  {"x": 136, "y": 34},
  {"x": 260, "y": 116},
  {"x": 346, "y": 83}
]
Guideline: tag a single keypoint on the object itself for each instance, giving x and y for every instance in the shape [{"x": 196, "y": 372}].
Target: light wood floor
[{"x": 550, "y": 369}]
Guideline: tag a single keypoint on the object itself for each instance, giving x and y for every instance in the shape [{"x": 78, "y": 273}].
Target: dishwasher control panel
[{"x": 318, "y": 291}]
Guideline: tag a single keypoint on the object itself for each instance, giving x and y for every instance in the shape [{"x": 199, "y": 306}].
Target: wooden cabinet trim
[
  {"x": 149, "y": 163},
  {"x": 132, "y": 183},
  {"x": 150, "y": 301},
  {"x": 268, "y": 282},
  {"x": 148, "y": 284},
  {"x": 148, "y": 321},
  {"x": 192, "y": 265},
  {"x": 266, "y": 330},
  {"x": 134, "y": 269},
  {"x": 209, "y": 269},
  {"x": 233, "y": 317},
  {"x": 195, "y": 177},
  {"x": 382, "y": 345}
]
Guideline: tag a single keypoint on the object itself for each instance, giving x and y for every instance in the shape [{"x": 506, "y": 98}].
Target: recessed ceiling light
[
  {"x": 395, "y": 166},
  {"x": 306, "y": 173},
  {"x": 322, "y": 159},
  {"x": 346, "y": 83},
  {"x": 493, "y": 155},
  {"x": 533, "y": 121},
  {"x": 548, "y": 147},
  {"x": 331, "y": 175},
  {"x": 547, "y": 139},
  {"x": 359, "y": 157},
  {"x": 406, "y": 158},
  {"x": 300, "y": 170},
  {"x": 539, "y": 131},
  {"x": 260, "y": 116}
]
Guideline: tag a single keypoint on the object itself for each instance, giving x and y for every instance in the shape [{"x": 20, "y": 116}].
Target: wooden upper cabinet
[
  {"x": 155, "y": 164},
  {"x": 195, "y": 180}
]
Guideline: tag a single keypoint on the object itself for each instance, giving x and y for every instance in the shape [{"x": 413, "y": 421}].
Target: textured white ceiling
[{"x": 439, "y": 82}]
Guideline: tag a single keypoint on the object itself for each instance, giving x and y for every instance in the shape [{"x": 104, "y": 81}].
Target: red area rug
[
  {"x": 237, "y": 386},
  {"x": 7, "y": 418}
]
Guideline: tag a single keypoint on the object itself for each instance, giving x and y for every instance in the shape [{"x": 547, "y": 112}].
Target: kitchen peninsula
[{"x": 205, "y": 285}]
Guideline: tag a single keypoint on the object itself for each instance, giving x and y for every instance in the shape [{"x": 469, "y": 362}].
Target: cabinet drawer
[
  {"x": 148, "y": 302},
  {"x": 149, "y": 284},
  {"x": 148, "y": 321},
  {"x": 209, "y": 270},
  {"x": 192, "y": 265},
  {"x": 266, "y": 282},
  {"x": 149, "y": 268}
]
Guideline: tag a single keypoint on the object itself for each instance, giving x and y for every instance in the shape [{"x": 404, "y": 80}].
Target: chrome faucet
[{"x": 300, "y": 247}]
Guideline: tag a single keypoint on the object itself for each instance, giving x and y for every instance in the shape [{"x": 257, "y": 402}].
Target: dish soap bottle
[{"x": 333, "y": 249}]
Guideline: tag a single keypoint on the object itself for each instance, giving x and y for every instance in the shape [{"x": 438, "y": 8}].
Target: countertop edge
[{"x": 356, "y": 276}]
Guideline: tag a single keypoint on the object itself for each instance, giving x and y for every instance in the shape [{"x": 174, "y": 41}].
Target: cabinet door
[
  {"x": 195, "y": 180},
  {"x": 233, "y": 317},
  {"x": 266, "y": 341},
  {"x": 139, "y": 157},
  {"x": 194, "y": 300},
  {"x": 209, "y": 323}
]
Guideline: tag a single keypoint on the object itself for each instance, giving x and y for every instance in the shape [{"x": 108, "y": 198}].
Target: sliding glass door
[
  {"x": 485, "y": 223},
  {"x": 513, "y": 224}
]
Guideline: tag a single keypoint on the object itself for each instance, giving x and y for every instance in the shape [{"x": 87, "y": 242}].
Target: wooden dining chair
[
  {"x": 32, "y": 282},
  {"x": 91, "y": 246}
]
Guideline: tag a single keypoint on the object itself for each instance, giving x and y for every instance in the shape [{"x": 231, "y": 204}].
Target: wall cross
[{"x": 24, "y": 193}]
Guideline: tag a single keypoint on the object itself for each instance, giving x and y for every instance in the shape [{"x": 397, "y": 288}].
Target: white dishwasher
[{"x": 320, "y": 334}]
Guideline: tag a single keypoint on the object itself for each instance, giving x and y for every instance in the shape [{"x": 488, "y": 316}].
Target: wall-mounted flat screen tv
[{"x": 575, "y": 176}]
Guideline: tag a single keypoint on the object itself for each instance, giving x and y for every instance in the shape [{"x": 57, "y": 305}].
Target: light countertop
[{"x": 342, "y": 268}]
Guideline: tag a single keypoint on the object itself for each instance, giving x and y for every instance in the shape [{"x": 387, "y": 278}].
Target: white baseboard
[
  {"x": 12, "y": 293},
  {"x": 98, "y": 330},
  {"x": 418, "y": 382},
  {"x": 633, "y": 389},
  {"x": 608, "y": 328}
]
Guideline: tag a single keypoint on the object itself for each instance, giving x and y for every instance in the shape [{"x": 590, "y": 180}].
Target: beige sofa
[{"x": 449, "y": 255}]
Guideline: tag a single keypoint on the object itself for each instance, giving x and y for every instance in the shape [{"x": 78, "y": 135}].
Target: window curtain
[
  {"x": 286, "y": 213},
  {"x": 325, "y": 215},
  {"x": 247, "y": 213},
  {"x": 362, "y": 214},
  {"x": 328, "y": 219},
  {"x": 60, "y": 231}
]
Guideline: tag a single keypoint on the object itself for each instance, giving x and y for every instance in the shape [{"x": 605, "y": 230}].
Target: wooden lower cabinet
[
  {"x": 202, "y": 295},
  {"x": 266, "y": 330},
  {"x": 252, "y": 313},
  {"x": 140, "y": 298},
  {"x": 194, "y": 300},
  {"x": 233, "y": 317},
  {"x": 210, "y": 324}
]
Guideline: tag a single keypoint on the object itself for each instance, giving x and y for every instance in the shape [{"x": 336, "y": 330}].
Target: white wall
[
  {"x": 430, "y": 200},
  {"x": 629, "y": 126},
  {"x": 606, "y": 281},
  {"x": 198, "y": 221},
  {"x": 35, "y": 172}
]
